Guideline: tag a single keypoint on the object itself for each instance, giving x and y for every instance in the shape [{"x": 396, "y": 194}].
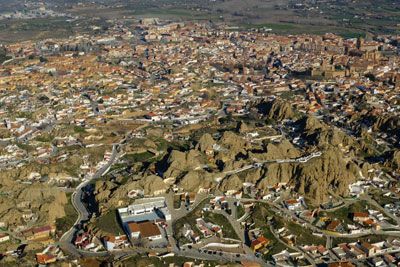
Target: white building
[{"x": 4, "y": 238}]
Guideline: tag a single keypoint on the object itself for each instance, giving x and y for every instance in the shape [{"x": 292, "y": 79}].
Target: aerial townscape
[{"x": 200, "y": 133}]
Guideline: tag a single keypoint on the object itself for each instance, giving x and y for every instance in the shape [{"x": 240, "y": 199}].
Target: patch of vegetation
[
  {"x": 70, "y": 167},
  {"x": 379, "y": 197},
  {"x": 164, "y": 145},
  {"x": 138, "y": 157},
  {"x": 117, "y": 166},
  {"x": 65, "y": 223},
  {"x": 287, "y": 95},
  {"x": 109, "y": 223},
  {"x": 344, "y": 214},
  {"x": 144, "y": 261},
  {"x": 3, "y": 55},
  {"x": 26, "y": 147},
  {"x": 350, "y": 35},
  {"x": 177, "y": 201},
  {"x": 79, "y": 129},
  {"x": 304, "y": 235},
  {"x": 45, "y": 138},
  {"x": 219, "y": 219},
  {"x": 240, "y": 211},
  {"x": 21, "y": 114},
  {"x": 273, "y": 26},
  {"x": 260, "y": 215}
]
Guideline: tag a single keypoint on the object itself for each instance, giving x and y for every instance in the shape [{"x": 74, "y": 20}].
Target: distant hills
[{"x": 346, "y": 18}]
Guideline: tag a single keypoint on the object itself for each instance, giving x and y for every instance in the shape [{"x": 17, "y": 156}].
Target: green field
[
  {"x": 239, "y": 211},
  {"x": 227, "y": 229},
  {"x": 109, "y": 223},
  {"x": 344, "y": 214},
  {"x": 304, "y": 235},
  {"x": 36, "y": 29},
  {"x": 138, "y": 157}
]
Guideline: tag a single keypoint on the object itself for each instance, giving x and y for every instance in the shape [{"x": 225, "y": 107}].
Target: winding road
[
  {"x": 258, "y": 163},
  {"x": 66, "y": 241},
  {"x": 83, "y": 214}
]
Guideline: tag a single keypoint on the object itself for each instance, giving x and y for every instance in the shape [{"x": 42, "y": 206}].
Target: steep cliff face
[
  {"x": 231, "y": 183},
  {"x": 282, "y": 150},
  {"x": 194, "y": 180},
  {"x": 277, "y": 110},
  {"x": 179, "y": 162},
  {"x": 242, "y": 127},
  {"x": 388, "y": 125},
  {"x": 393, "y": 160},
  {"x": 319, "y": 134},
  {"x": 315, "y": 178},
  {"x": 205, "y": 143}
]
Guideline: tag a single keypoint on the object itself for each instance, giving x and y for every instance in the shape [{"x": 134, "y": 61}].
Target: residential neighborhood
[{"x": 174, "y": 143}]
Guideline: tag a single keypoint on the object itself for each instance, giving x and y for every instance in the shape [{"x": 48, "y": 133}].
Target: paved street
[{"x": 76, "y": 200}]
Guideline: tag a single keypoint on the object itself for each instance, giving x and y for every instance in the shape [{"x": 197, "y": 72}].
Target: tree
[
  {"x": 3, "y": 54},
  {"x": 43, "y": 59}
]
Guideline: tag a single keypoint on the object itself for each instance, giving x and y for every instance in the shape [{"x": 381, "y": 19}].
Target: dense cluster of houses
[{"x": 184, "y": 74}]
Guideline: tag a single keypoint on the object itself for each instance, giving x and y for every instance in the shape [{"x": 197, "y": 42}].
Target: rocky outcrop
[
  {"x": 152, "y": 185},
  {"x": 319, "y": 134},
  {"x": 65, "y": 168},
  {"x": 45, "y": 201},
  {"x": 388, "y": 125},
  {"x": 110, "y": 195},
  {"x": 194, "y": 180},
  {"x": 276, "y": 110},
  {"x": 231, "y": 183},
  {"x": 315, "y": 178},
  {"x": 141, "y": 147},
  {"x": 232, "y": 149},
  {"x": 205, "y": 143},
  {"x": 282, "y": 150},
  {"x": 207, "y": 164},
  {"x": 104, "y": 189},
  {"x": 242, "y": 127},
  {"x": 393, "y": 160},
  {"x": 179, "y": 162},
  {"x": 310, "y": 124}
]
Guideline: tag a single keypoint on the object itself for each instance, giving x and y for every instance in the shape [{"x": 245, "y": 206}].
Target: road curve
[{"x": 83, "y": 214}]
